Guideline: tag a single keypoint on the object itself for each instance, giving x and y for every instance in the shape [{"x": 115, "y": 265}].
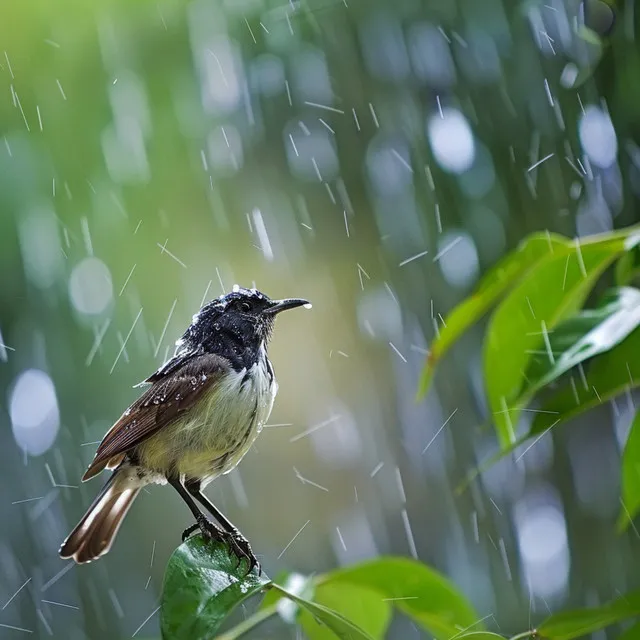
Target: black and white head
[{"x": 236, "y": 325}]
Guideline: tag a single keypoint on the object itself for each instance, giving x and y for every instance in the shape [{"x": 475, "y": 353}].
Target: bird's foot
[
  {"x": 240, "y": 546},
  {"x": 189, "y": 530},
  {"x": 237, "y": 543},
  {"x": 207, "y": 528}
]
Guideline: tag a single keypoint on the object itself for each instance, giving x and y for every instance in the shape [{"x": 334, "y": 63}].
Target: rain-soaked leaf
[
  {"x": 414, "y": 589},
  {"x": 581, "y": 622},
  {"x": 554, "y": 290},
  {"x": 334, "y": 621},
  {"x": 479, "y": 635},
  {"x": 631, "y": 475},
  {"x": 361, "y": 605},
  {"x": 581, "y": 337},
  {"x": 491, "y": 287},
  {"x": 608, "y": 375},
  {"x": 203, "y": 583}
]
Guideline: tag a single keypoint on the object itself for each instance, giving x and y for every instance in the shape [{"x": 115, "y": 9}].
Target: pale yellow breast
[{"x": 214, "y": 435}]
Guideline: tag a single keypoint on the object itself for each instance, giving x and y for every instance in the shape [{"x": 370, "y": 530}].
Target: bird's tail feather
[{"x": 94, "y": 534}]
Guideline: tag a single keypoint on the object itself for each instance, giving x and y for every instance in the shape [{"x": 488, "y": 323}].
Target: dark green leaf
[
  {"x": 554, "y": 290},
  {"x": 334, "y": 621},
  {"x": 583, "y": 336},
  {"x": 631, "y": 475},
  {"x": 362, "y": 606},
  {"x": 578, "y": 623},
  {"x": 414, "y": 589},
  {"x": 202, "y": 584},
  {"x": 490, "y": 288},
  {"x": 608, "y": 375}
]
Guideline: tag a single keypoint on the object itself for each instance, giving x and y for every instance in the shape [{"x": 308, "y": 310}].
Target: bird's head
[{"x": 240, "y": 320}]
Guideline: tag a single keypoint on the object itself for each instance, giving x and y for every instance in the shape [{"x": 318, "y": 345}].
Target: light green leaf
[
  {"x": 334, "y": 621},
  {"x": 575, "y": 624},
  {"x": 362, "y": 606},
  {"x": 491, "y": 287},
  {"x": 628, "y": 267},
  {"x": 554, "y": 290},
  {"x": 608, "y": 375},
  {"x": 583, "y": 336},
  {"x": 631, "y": 475},
  {"x": 505, "y": 274},
  {"x": 271, "y": 596},
  {"x": 479, "y": 635},
  {"x": 415, "y": 590},
  {"x": 296, "y": 583},
  {"x": 203, "y": 583}
]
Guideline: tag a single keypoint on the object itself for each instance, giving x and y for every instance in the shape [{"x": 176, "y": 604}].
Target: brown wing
[{"x": 159, "y": 405}]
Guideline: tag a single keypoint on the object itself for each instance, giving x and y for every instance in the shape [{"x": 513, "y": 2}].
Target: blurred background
[{"x": 375, "y": 157}]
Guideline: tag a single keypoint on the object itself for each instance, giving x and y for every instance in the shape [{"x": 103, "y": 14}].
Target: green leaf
[
  {"x": 631, "y": 475},
  {"x": 272, "y": 596},
  {"x": 628, "y": 267},
  {"x": 495, "y": 282},
  {"x": 578, "y": 623},
  {"x": 296, "y": 583},
  {"x": 415, "y": 590},
  {"x": 362, "y": 606},
  {"x": 608, "y": 376},
  {"x": 334, "y": 621},
  {"x": 554, "y": 290},
  {"x": 203, "y": 583},
  {"x": 506, "y": 273},
  {"x": 583, "y": 336},
  {"x": 480, "y": 635}
]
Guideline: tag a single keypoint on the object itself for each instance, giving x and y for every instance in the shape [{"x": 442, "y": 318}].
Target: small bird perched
[{"x": 199, "y": 416}]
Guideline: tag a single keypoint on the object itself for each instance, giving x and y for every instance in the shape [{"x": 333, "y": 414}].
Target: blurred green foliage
[{"x": 112, "y": 148}]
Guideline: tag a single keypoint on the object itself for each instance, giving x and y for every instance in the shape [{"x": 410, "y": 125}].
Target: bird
[{"x": 199, "y": 415}]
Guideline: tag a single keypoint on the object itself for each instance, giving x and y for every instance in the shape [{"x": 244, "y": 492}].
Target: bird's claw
[
  {"x": 237, "y": 543},
  {"x": 240, "y": 546},
  {"x": 189, "y": 530}
]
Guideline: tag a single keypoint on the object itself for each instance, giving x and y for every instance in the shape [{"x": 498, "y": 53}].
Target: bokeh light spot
[
  {"x": 599, "y": 16},
  {"x": 598, "y": 137},
  {"x": 33, "y": 407},
  {"x": 458, "y": 258},
  {"x": 451, "y": 140},
  {"x": 90, "y": 286}
]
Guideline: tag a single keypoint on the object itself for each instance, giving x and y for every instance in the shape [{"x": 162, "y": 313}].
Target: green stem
[
  {"x": 252, "y": 621},
  {"x": 525, "y": 634}
]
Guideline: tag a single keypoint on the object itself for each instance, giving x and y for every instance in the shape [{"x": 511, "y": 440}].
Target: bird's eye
[{"x": 245, "y": 307}]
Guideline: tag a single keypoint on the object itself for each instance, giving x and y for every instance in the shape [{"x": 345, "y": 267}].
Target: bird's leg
[
  {"x": 237, "y": 542},
  {"x": 206, "y": 526}
]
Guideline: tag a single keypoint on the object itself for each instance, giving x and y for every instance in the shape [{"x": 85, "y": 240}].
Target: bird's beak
[{"x": 288, "y": 303}]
